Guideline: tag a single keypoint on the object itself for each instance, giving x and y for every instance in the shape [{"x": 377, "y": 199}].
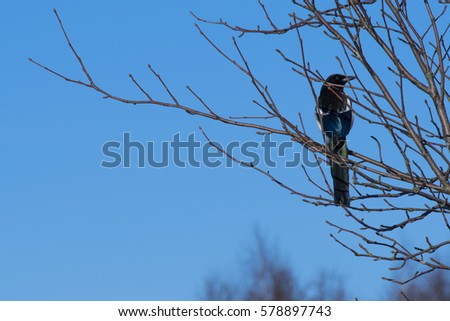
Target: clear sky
[{"x": 73, "y": 230}]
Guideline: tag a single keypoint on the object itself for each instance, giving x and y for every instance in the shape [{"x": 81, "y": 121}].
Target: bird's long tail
[{"x": 340, "y": 173}]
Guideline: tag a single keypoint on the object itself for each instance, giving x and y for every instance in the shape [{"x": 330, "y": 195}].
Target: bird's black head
[{"x": 339, "y": 79}]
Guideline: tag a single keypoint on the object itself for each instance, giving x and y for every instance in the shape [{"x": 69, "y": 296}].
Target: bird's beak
[{"x": 350, "y": 78}]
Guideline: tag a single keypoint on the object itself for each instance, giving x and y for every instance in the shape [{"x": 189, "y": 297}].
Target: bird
[{"x": 335, "y": 118}]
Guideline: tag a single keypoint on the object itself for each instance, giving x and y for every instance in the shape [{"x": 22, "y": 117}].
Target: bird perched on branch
[{"x": 335, "y": 119}]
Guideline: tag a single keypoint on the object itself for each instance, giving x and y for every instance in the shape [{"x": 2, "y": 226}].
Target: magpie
[{"x": 335, "y": 117}]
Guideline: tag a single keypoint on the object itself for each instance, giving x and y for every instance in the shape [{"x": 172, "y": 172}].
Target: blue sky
[{"x": 72, "y": 230}]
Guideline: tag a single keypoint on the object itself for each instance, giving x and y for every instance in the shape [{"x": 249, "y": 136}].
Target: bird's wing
[{"x": 336, "y": 123}]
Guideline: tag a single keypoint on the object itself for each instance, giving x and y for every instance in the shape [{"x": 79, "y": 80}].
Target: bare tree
[
  {"x": 265, "y": 276},
  {"x": 402, "y": 179}
]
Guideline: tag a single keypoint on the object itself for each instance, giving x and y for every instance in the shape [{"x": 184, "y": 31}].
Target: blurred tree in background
[{"x": 265, "y": 276}]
